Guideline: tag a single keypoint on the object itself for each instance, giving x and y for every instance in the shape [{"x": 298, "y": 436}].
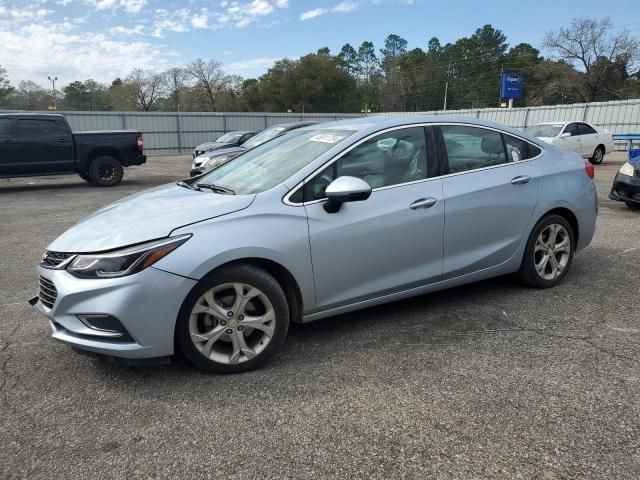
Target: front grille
[
  {"x": 53, "y": 259},
  {"x": 48, "y": 292}
]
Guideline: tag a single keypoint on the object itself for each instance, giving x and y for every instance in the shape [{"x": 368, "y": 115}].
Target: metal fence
[
  {"x": 172, "y": 132},
  {"x": 180, "y": 132}
]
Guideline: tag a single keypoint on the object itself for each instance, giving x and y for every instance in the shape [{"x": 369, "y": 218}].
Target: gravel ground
[{"x": 490, "y": 380}]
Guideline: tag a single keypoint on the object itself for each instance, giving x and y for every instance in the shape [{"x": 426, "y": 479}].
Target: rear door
[
  {"x": 572, "y": 143},
  {"x": 45, "y": 146},
  {"x": 490, "y": 195},
  {"x": 589, "y": 139}
]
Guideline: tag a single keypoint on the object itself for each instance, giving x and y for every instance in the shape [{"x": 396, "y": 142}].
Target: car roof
[
  {"x": 293, "y": 125},
  {"x": 241, "y": 132},
  {"x": 31, "y": 114},
  {"x": 372, "y": 124},
  {"x": 560, "y": 123}
]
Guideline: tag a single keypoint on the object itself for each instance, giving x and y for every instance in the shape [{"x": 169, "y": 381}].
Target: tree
[
  {"x": 596, "y": 48},
  {"x": 394, "y": 47},
  {"x": 324, "y": 51},
  {"x": 433, "y": 47},
  {"x": 31, "y": 96},
  {"x": 144, "y": 88},
  {"x": 87, "y": 95},
  {"x": 209, "y": 77},
  {"x": 174, "y": 81},
  {"x": 368, "y": 61},
  {"x": 5, "y": 87},
  {"x": 348, "y": 60}
]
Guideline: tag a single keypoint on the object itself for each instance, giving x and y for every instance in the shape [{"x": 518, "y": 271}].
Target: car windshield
[
  {"x": 263, "y": 136},
  {"x": 544, "y": 130},
  {"x": 268, "y": 165},
  {"x": 229, "y": 138}
]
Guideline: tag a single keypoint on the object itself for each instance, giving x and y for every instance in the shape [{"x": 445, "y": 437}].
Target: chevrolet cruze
[{"x": 320, "y": 221}]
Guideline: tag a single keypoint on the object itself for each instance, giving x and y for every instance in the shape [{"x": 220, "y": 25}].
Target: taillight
[
  {"x": 140, "y": 142},
  {"x": 590, "y": 169}
]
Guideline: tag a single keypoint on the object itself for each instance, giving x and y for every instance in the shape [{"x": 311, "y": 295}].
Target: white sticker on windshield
[{"x": 326, "y": 138}]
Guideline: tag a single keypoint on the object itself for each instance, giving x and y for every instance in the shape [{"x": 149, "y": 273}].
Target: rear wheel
[
  {"x": 233, "y": 321},
  {"x": 598, "y": 155},
  {"x": 549, "y": 252},
  {"x": 105, "y": 171}
]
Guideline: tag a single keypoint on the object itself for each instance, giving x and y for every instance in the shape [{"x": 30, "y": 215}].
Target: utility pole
[
  {"x": 53, "y": 84},
  {"x": 446, "y": 87}
]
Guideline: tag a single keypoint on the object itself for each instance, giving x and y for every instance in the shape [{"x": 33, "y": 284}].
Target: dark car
[
  {"x": 212, "y": 159},
  {"x": 231, "y": 139},
  {"x": 626, "y": 184},
  {"x": 43, "y": 144}
]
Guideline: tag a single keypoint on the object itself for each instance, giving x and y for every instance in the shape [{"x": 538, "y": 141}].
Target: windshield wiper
[
  {"x": 216, "y": 188},
  {"x": 187, "y": 185}
]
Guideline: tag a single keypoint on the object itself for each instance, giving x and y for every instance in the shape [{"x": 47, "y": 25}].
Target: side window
[
  {"x": 391, "y": 158},
  {"x": 29, "y": 128},
  {"x": 519, "y": 149},
  {"x": 469, "y": 148},
  {"x": 58, "y": 127},
  {"x": 5, "y": 127},
  {"x": 586, "y": 129},
  {"x": 572, "y": 128}
]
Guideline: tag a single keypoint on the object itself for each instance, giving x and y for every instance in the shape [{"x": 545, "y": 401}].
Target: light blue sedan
[{"x": 320, "y": 221}]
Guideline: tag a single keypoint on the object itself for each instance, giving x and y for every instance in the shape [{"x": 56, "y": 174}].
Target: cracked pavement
[{"x": 489, "y": 380}]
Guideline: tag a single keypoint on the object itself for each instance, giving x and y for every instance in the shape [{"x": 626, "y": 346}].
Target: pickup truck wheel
[
  {"x": 105, "y": 171},
  {"x": 84, "y": 176}
]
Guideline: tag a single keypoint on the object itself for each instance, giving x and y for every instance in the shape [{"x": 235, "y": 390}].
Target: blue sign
[{"x": 511, "y": 85}]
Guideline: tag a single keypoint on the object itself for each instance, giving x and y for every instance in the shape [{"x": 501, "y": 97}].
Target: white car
[{"x": 580, "y": 137}]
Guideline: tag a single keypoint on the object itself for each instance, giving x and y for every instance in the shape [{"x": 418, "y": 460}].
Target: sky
[{"x": 105, "y": 39}]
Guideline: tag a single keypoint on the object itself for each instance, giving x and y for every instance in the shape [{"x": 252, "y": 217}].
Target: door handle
[
  {"x": 423, "y": 203},
  {"x": 521, "y": 180}
]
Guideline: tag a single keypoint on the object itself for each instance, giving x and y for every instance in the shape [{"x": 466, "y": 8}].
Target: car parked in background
[
  {"x": 319, "y": 221},
  {"x": 43, "y": 144},
  {"x": 230, "y": 139},
  {"x": 212, "y": 159},
  {"x": 580, "y": 137},
  {"x": 626, "y": 184}
]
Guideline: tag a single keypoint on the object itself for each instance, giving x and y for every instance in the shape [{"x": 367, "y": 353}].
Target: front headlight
[
  {"x": 214, "y": 162},
  {"x": 201, "y": 161},
  {"x": 626, "y": 169},
  {"x": 126, "y": 261}
]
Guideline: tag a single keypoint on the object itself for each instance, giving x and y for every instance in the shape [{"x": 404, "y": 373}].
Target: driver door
[{"x": 388, "y": 243}]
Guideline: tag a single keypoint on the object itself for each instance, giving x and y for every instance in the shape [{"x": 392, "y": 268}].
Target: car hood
[
  {"x": 146, "y": 216},
  {"x": 205, "y": 147}
]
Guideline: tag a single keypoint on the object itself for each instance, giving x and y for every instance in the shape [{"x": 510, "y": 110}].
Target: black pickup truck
[{"x": 43, "y": 144}]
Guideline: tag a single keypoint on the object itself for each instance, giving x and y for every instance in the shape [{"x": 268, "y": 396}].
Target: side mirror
[
  {"x": 565, "y": 135},
  {"x": 345, "y": 189}
]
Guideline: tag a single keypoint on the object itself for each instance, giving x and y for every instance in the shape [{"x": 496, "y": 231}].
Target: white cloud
[
  {"x": 258, "y": 8},
  {"x": 53, "y": 50},
  {"x": 343, "y": 7},
  {"x": 200, "y": 20},
  {"x": 252, "y": 64},
  {"x": 126, "y": 31},
  {"x": 316, "y": 12},
  {"x": 178, "y": 21},
  {"x": 281, "y": 3},
  {"x": 129, "y": 6}
]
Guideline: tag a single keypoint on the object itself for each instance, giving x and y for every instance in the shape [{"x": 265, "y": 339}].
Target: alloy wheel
[
  {"x": 232, "y": 323},
  {"x": 552, "y": 251}
]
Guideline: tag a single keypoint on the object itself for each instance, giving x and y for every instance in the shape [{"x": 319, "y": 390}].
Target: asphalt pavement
[{"x": 489, "y": 380}]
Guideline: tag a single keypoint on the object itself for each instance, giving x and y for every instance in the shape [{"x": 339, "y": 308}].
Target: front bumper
[
  {"x": 197, "y": 171},
  {"x": 626, "y": 189},
  {"x": 146, "y": 304}
]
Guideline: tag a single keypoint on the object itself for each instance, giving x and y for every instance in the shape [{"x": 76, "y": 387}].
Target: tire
[
  {"x": 535, "y": 271},
  {"x": 221, "y": 340},
  {"x": 84, "y": 176},
  {"x": 598, "y": 155},
  {"x": 632, "y": 206},
  {"x": 105, "y": 171}
]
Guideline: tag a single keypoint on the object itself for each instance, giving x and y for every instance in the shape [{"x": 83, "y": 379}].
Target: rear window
[{"x": 36, "y": 127}]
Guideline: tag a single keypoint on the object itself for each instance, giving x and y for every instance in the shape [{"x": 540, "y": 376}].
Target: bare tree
[
  {"x": 174, "y": 81},
  {"x": 145, "y": 88},
  {"x": 210, "y": 78},
  {"x": 596, "y": 47}
]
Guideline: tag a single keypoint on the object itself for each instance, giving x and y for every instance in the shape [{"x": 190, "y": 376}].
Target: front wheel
[
  {"x": 233, "y": 320},
  {"x": 549, "y": 252},
  {"x": 106, "y": 171},
  {"x": 598, "y": 156}
]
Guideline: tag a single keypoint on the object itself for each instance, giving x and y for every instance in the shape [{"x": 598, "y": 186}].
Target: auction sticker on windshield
[{"x": 326, "y": 138}]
